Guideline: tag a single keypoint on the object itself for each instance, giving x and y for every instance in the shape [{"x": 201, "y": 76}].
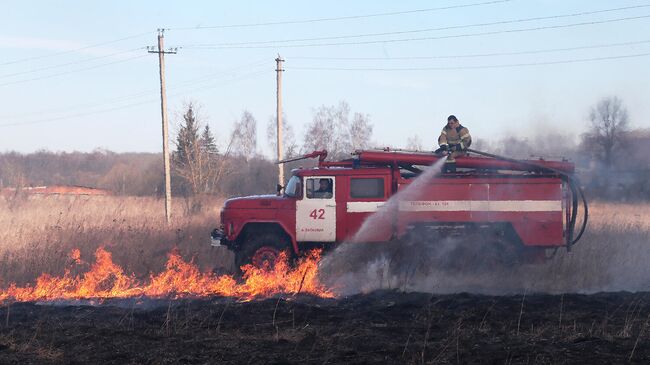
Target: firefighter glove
[{"x": 442, "y": 149}]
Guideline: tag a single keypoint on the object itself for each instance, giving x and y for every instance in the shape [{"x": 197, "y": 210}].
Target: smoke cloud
[{"x": 613, "y": 255}]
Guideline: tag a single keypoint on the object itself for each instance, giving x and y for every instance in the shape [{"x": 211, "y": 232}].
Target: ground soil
[{"x": 380, "y": 327}]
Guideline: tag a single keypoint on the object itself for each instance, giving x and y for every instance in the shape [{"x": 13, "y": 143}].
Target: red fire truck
[{"x": 520, "y": 206}]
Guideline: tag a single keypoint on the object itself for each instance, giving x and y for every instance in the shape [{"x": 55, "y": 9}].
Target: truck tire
[{"x": 262, "y": 250}]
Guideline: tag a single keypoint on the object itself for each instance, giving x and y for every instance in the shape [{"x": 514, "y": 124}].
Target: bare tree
[
  {"x": 332, "y": 130},
  {"x": 414, "y": 143},
  {"x": 244, "y": 136},
  {"x": 320, "y": 132},
  {"x": 288, "y": 137},
  {"x": 340, "y": 120},
  {"x": 609, "y": 124},
  {"x": 12, "y": 171},
  {"x": 360, "y": 131}
]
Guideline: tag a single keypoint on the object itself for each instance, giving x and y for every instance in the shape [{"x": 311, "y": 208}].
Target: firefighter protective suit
[{"x": 455, "y": 140}]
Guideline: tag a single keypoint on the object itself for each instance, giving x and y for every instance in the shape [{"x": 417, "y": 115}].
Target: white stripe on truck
[
  {"x": 462, "y": 206},
  {"x": 364, "y": 207},
  {"x": 481, "y": 206}
]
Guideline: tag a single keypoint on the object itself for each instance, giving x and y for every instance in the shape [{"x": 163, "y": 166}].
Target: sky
[{"x": 76, "y": 76}]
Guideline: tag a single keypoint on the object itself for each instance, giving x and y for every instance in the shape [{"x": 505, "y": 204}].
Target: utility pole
[
  {"x": 279, "y": 70},
  {"x": 163, "y": 111}
]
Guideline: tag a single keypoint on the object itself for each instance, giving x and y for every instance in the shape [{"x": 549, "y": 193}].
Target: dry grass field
[
  {"x": 38, "y": 233},
  {"x": 614, "y": 254}
]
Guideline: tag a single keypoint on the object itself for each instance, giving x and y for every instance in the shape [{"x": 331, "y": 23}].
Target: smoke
[{"x": 612, "y": 256}]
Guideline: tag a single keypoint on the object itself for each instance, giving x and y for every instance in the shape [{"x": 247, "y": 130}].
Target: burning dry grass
[
  {"x": 39, "y": 232},
  {"x": 148, "y": 254},
  {"x": 107, "y": 280}
]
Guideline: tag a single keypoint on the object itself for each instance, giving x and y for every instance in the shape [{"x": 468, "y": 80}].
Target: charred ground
[{"x": 380, "y": 327}]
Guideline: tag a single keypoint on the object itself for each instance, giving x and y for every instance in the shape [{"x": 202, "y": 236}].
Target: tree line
[
  {"x": 613, "y": 159},
  {"x": 227, "y": 163}
]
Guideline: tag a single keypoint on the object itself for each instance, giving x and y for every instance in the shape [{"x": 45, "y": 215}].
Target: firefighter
[
  {"x": 324, "y": 189},
  {"x": 454, "y": 141}
]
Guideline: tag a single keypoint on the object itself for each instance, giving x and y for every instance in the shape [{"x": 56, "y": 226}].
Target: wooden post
[
  {"x": 280, "y": 149},
  {"x": 165, "y": 124}
]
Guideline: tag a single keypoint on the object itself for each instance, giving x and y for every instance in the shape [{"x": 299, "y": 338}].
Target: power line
[
  {"x": 228, "y": 82},
  {"x": 72, "y": 71},
  {"x": 475, "y": 55},
  {"x": 350, "y": 17},
  {"x": 207, "y": 77},
  {"x": 77, "y": 115},
  {"x": 413, "y": 31},
  {"x": 47, "y": 120},
  {"x": 76, "y": 49},
  {"x": 71, "y": 63},
  {"x": 576, "y": 60},
  {"x": 179, "y": 85},
  {"x": 127, "y": 106},
  {"x": 570, "y": 25}
]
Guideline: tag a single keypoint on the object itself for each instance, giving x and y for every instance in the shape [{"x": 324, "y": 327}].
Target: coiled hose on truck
[{"x": 574, "y": 186}]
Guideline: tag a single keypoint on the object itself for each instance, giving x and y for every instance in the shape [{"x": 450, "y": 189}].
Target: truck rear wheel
[{"x": 262, "y": 250}]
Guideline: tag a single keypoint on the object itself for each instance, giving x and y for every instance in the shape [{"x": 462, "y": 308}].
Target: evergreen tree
[
  {"x": 187, "y": 140},
  {"x": 208, "y": 144},
  {"x": 192, "y": 161}
]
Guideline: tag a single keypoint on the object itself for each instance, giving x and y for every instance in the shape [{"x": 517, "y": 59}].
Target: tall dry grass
[
  {"x": 38, "y": 233},
  {"x": 613, "y": 255}
]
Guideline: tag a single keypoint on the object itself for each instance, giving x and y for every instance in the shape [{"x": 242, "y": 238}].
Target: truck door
[
  {"x": 366, "y": 196},
  {"x": 316, "y": 212}
]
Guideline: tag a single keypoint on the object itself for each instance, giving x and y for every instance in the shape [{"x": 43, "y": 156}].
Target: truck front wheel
[{"x": 262, "y": 250}]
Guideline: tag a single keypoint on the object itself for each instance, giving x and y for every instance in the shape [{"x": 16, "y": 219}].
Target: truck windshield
[{"x": 293, "y": 188}]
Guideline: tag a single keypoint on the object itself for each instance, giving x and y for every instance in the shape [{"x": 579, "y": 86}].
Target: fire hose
[{"x": 574, "y": 186}]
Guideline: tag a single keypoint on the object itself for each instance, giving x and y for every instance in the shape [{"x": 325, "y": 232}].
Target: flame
[
  {"x": 105, "y": 279},
  {"x": 75, "y": 256}
]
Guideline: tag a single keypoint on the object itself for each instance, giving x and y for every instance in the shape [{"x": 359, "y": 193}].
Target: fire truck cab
[{"x": 520, "y": 206}]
